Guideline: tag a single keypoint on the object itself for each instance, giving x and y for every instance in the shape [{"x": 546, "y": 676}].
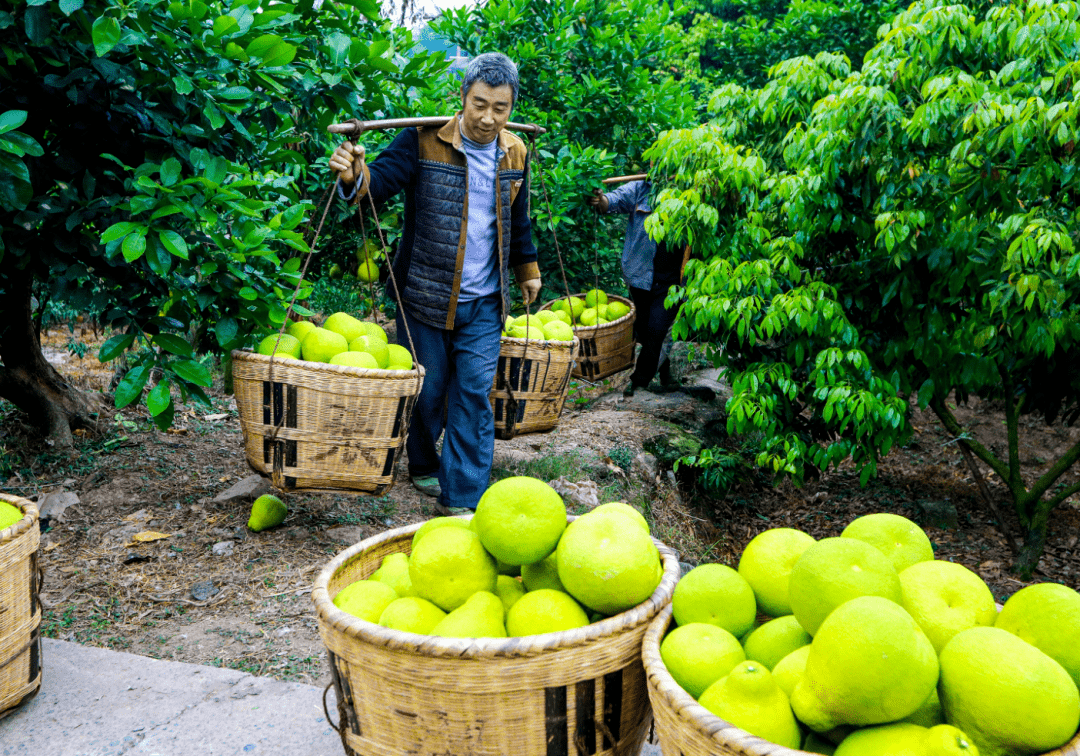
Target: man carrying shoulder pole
[{"x": 466, "y": 224}]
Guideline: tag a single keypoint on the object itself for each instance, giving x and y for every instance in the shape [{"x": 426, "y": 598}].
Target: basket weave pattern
[
  {"x": 20, "y": 609},
  {"x": 607, "y": 348},
  {"x": 686, "y": 728},
  {"x": 531, "y": 383},
  {"x": 323, "y": 427},
  {"x": 580, "y": 691}
]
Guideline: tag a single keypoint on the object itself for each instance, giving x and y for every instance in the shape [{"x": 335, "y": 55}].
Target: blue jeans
[{"x": 459, "y": 367}]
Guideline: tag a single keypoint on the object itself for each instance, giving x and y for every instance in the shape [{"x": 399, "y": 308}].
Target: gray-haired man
[{"x": 466, "y": 224}]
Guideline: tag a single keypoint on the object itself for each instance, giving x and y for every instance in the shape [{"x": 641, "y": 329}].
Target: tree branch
[
  {"x": 953, "y": 426},
  {"x": 1063, "y": 494},
  {"x": 1059, "y": 468},
  {"x": 985, "y": 490}
]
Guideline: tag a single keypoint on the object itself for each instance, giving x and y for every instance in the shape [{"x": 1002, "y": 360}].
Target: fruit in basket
[
  {"x": 449, "y": 565},
  {"x": 300, "y": 329},
  {"x": 367, "y": 271},
  {"x": 321, "y": 344},
  {"x": 588, "y": 317},
  {"x": 766, "y": 564},
  {"x": 572, "y": 306},
  {"x": 617, "y": 309},
  {"x": 898, "y": 538},
  {"x": 814, "y": 743},
  {"x": 607, "y": 566},
  {"x": 374, "y": 330},
  {"x": 546, "y": 316},
  {"x": 542, "y": 574},
  {"x": 593, "y": 297},
  {"x": 870, "y": 663},
  {"x": 9, "y": 515},
  {"x": 621, "y": 507},
  {"x": 564, "y": 316},
  {"x": 400, "y": 358},
  {"x": 898, "y": 739},
  {"x": 1009, "y": 696},
  {"x": 544, "y": 611},
  {"x": 286, "y": 345},
  {"x": 394, "y": 571},
  {"x": 529, "y": 320},
  {"x": 699, "y": 654},
  {"x": 716, "y": 594},
  {"x": 354, "y": 359},
  {"x": 1047, "y": 616},
  {"x": 533, "y": 333},
  {"x": 520, "y": 520},
  {"x": 945, "y": 598},
  {"x": 509, "y": 590},
  {"x": 749, "y": 699},
  {"x": 946, "y": 740},
  {"x": 366, "y": 599},
  {"x": 437, "y": 522},
  {"x": 774, "y": 640},
  {"x": 344, "y": 324},
  {"x": 374, "y": 346},
  {"x": 267, "y": 511},
  {"x": 481, "y": 616},
  {"x": 557, "y": 330},
  {"x": 789, "y": 670},
  {"x": 411, "y": 614},
  {"x": 835, "y": 570},
  {"x": 929, "y": 712}
]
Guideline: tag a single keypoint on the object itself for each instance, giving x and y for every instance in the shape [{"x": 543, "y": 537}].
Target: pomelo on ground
[
  {"x": 520, "y": 520},
  {"x": 749, "y": 699},
  {"x": 945, "y": 598},
  {"x": 1047, "y": 616},
  {"x": 411, "y": 614},
  {"x": 366, "y": 599},
  {"x": 699, "y": 654},
  {"x": 544, "y": 611},
  {"x": 267, "y": 511},
  {"x": 286, "y": 345},
  {"x": 774, "y": 640},
  {"x": 344, "y": 324},
  {"x": 449, "y": 565},
  {"x": 320, "y": 345},
  {"x": 766, "y": 564},
  {"x": 897, "y": 537},
  {"x": 716, "y": 594}
]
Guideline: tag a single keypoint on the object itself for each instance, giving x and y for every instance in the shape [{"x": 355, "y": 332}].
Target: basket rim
[
  {"x": 20, "y": 527},
  {"x": 482, "y": 648},
  {"x": 594, "y": 328},
  {"x": 552, "y": 344},
  {"x": 325, "y": 367}
]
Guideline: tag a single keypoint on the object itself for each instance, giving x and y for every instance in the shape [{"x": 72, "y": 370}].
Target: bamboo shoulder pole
[
  {"x": 359, "y": 127},
  {"x": 624, "y": 179}
]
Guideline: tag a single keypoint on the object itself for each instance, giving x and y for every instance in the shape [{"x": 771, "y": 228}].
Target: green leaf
[
  {"x": 175, "y": 243},
  {"x": 131, "y": 386},
  {"x": 226, "y": 331},
  {"x": 115, "y": 346},
  {"x": 11, "y": 120},
  {"x": 249, "y": 293},
  {"x": 234, "y": 93},
  {"x": 170, "y": 171},
  {"x": 106, "y": 35},
  {"x": 164, "y": 419},
  {"x": 37, "y": 24},
  {"x": 117, "y": 231},
  {"x": 173, "y": 344},
  {"x": 158, "y": 258},
  {"x": 70, "y": 6},
  {"x": 159, "y": 398},
  {"x": 133, "y": 247},
  {"x": 193, "y": 372}
]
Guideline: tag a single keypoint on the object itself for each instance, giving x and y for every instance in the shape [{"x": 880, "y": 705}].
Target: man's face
[{"x": 485, "y": 111}]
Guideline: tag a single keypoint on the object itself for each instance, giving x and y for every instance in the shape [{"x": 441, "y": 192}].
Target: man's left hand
[{"x": 530, "y": 290}]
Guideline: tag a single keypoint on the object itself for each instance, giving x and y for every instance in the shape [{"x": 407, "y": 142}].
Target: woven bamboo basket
[
  {"x": 685, "y": 728},
  {"x": 531, "y": 383},
  {"x": 323, "y": 427},
  {"x": 20, "y": 608},
  {"x": 606, "y": 349},
  {"x": 578, "y": 691}
]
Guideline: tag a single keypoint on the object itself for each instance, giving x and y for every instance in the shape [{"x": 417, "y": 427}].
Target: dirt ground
[{"x": 106, "y": 586}]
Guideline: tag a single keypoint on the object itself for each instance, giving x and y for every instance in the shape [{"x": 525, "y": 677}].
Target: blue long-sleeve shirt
[{"x": 644, "y": 264}]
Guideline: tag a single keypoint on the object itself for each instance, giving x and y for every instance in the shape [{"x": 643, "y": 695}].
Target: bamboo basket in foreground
[
  {"x": 577, "y": 691},
  {"x": 605, "y": 349},
  {"x": 685, "y": 728},
  {"x": 531, "y": 384},
  {"x": 318, "y": 427},
  {"x": 20, "y": 608}
]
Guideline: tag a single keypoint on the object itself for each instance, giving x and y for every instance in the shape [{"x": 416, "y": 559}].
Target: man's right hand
[
  {"x": 598, "y": 200},
  {"x": 347, "y": 162}
]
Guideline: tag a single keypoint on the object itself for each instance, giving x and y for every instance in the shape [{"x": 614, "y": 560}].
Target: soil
[{"x": 108, "y": 583}]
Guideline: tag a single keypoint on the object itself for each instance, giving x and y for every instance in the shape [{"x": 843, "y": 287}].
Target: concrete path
[{"x": 95, "y": 702}]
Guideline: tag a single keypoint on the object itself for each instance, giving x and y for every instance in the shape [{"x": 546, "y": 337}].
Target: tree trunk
[
  {"x": 27, "y": 380},
  {"x": 1027, "y": 559}
]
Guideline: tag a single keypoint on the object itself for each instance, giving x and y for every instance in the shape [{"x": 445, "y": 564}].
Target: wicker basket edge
[
  {"x": 246, "y": 355},
  {"x": 30, "y": 516},
  {"x": 593, "y": 329}
]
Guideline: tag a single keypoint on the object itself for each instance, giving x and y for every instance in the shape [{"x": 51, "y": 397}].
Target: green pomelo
[
  {"x": 588, "y": 317},
  {"x": 300, "y": 329},
  {"x": 621, "y": 507},
  {"x": 374, "y": 346},
  {"x": 546, "y": 316},
  {"x": 367, "y": 271},
  {"x": 789, "y": 670},
  {"x": 593, "y": 297},
  {"x": 542, "y": 574},
  {"x": 544, "y": 611},
  {"x": 267, "y": 511},
  {"x": 344, "y": 324},
  {"x": 448, "y": 565},
  {"x": 835, "y": 570},
  {"x": 945, "y": 598},
  {"x": 510, "y": 570},
  {"x": 394, "y": 571},
  {"x": 814, "y": 743},
  {"x": 1047, "y": 616},
  {"x": 898, "y": 538},
  {"x": 520, "y": 520},
  {"x": 285, "y": 344},
  {"x": 509, "y": 590},
  {"x": 870, "y": 663},
  {"x": 411, "y": 614},
  {"x": 1008, "y": 696},
  {"x": 399, "y": 357},
  {"x": 556, "y": 330},
  {"x": 749, "y": 699},
  {"x": 564, "y": 316},
  {"x": 355, "y": 359},
  {"x": 946, "y": 740},
  {"x": 481, "y": 616},
  {"x": 575, "y": 307},
  {"x": 766, "y": 564},
  {"x": 437, "y": 522},
  {"x": 366, "y": 599},
  {"x": 320, "y": 345},
  {"x": 899, "y": 739},
  {"x": 699, "y": 654},
  {"x": 529, "y": 320},
  {"x": 929, "y": 712},
  {"x": 774, "y": 640},
  {"x": 374, "y": 330},
  {"x": 716, "y": 594},
  {"x": 9, "y": 515},
  {"x": 607, "y": 566},
  {"x": 616, "y": 310}
]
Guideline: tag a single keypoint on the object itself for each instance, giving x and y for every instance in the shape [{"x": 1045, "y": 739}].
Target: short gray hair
[{"x": 494, "y": 69}]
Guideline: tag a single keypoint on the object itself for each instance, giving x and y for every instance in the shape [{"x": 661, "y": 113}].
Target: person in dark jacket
[
  {"x": 650, "y": 269},
  {"x": 466, "y": 225}
]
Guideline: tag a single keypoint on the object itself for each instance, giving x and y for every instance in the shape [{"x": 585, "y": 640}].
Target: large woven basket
[
  {"x": 686, "y": 728},
  {"x": 607, "y": 348},
  {"x": 20, "y": 608},
  {"x": 577, "y": 691},
  {"x": 323, "y": 427},
  {"x": 531, "y": 384}
]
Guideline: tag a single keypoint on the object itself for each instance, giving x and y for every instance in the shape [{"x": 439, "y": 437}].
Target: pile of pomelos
[
  {"x": 874, "y": 648},
  {"x": 341, "y": 340},
  {"x": 515, "y": 568},
  {"x": 595, "y": 309}
]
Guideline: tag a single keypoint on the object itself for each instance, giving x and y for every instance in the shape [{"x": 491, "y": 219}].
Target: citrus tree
[
  {"x": 907, "y": 230},
  {"x": 162, "y": 175}
]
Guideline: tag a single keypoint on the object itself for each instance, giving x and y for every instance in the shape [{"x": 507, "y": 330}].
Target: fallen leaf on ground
[{"x": 148, "y": 535}]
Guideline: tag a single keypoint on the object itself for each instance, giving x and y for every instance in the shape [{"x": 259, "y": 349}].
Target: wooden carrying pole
[
  {"x": 623, "y": 179},
  {"x": 359, "y": 127}
]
